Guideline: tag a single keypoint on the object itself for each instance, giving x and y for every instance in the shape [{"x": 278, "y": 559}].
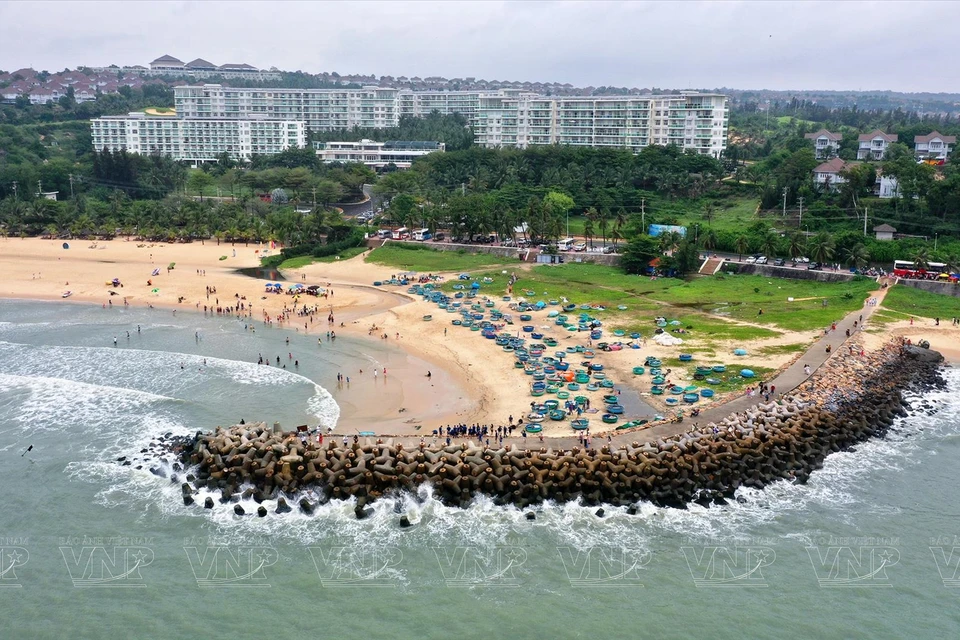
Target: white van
[
  {"x": 383, "y": 234},
  {"x": 421, "y": 234},
  {"x": 566, "y": 244}
]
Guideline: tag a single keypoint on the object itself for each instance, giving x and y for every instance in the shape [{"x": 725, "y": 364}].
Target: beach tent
[{"x": 155, "y": 291}]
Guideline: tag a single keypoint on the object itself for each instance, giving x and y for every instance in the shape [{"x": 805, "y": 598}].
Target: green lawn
[
  {"x": 424, "y": 259},
  {"x": 303, "y": 261},
  {"x": 742, "y": 298},
  {"x": 921, "y": 303}
]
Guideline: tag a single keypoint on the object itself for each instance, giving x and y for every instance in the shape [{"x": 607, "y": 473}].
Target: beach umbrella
[
  {"x": 66, "y": 246},
  {"x": 155, "y": 291}
]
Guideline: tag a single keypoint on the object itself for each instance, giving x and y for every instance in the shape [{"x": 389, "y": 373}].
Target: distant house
[
  {"x": 873, "y": 146},
  {"x": 886, "y": 186},
  {"x": 934, "y": 146},
  {"x": 827, "y": 175},
  {"x": 167, "y": 63},
  {"x": 825, "y": 143},
  {"x": 884, "y": 232}
]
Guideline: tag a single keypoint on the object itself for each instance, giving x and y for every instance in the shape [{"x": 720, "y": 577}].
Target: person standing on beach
[{"x": 114, "y": 340}]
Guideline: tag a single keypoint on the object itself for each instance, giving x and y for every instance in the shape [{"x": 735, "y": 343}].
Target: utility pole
[
  {"x": 71, "y": 186},
  {"x": 14, "y": 189},
  {"x": 463, "y": 188},
  {"x": 39, "y": 188},
  {"x": 315, "y": 196},
  {"x": 800, "y": 221},
  {"x": 643, "y": 215},
  {"x": 784, "y": 202},
  {"x": 865, "y": 210}
]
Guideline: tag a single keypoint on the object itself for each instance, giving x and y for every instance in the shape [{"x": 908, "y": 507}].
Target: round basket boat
[
  {"x": 657, "y": 391},
  {"x": 609, "y": 418},
  {"x": 573, "y": 386},
  {"x": 719, "y": 368},
  {"x": 706, "y": 393},
  {"x": 563, "y": 395},
  {"x": 606, "y": 384},
  {"x": 686, "y": 357},
  {"x": 592, "y": 387},
  {"x": 691, "y": 397},
  {"x": 615, "y": 409},
  {"x": 580, "y": 424},
  {"x": 746, "y": 373},
  {"x": 534, "y": 428},
  {"x": 638, "y": 371},
  {"x": 671, "y": 401}
]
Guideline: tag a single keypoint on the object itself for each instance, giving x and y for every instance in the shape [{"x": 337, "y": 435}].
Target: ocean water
[{"x": 89, "y": 548}]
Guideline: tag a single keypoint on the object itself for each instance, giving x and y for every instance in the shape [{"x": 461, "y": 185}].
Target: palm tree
[
  {"x": 857, "y": 256},
  {"x": 797, "y": 245},
  {"x": 710, "y": 239},
  {"x": 921, "y": 258},
  {"x": 742, "y": 245},
  {"x": 770, "y": 244},
  {"x": 821, "y": 247},
  {"x": 602, "y": 222}
]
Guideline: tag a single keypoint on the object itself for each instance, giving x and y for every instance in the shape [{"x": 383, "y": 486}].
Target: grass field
[
  {"x": 303, "y": 261},
  {"x": 426, "y": 260},
  {"x": 908, "y": 300},
  {"x": 743, "y": 297}
]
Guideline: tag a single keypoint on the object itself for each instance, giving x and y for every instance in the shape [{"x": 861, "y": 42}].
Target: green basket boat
[
  {"x": 580, "y": 424},
  {"x": 563, "y": 395},
  {"x": 534, "y": 428},
  {"x": 638, "y": 371},
  {"x": 557, "y": 415},
  {"x": 609, "y": 418}
]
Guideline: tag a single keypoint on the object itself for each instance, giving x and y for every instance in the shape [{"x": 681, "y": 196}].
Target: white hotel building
[
  {"x": 378, "y": 155},
  {"x": 195, "y": 139},
  {"x": 505, "y": 118}
]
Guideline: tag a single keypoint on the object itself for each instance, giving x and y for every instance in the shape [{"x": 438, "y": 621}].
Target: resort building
[
  {"x": 504, "y": 118},
  {"x": 827, "y": 176},
  {"x": 934, "y": 146},
  {"x": 825, "y": 143},
  {"x": 873, "y": 146},
  {"x": 194, "y": 139},
  {"x": 377, "y": 155}
]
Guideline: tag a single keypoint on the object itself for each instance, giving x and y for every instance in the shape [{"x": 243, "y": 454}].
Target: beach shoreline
[{"x": 469, "y": 382}]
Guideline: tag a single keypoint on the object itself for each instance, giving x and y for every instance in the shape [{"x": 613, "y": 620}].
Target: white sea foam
[{"x": 171, "y": 373}]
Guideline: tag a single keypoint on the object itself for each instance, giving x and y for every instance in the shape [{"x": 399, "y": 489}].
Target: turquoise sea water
[{"x": 94, "y": 549}]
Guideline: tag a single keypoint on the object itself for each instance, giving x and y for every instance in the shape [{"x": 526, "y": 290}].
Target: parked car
[
  {"x": 803, "y": 259},
  {"x": 609, "y": 249},
  {"x": 762, "y": 260},
  {"x": 751, "y": 259},
  {"x": 508, "y": 243},
  {"x": 813, "y": 266},
  {"x": 580, "y": 246},
  {"x": 778, "y": 262}
]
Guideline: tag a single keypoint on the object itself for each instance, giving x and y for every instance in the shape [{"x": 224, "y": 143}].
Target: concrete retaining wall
[
  {"x": 504, "y": 252},
  {"x": 743, "y": 268},
  {"x": 942, "y": 288}
]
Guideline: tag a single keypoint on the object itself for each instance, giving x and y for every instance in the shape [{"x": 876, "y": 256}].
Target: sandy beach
[{"x": 472, "y": 380}]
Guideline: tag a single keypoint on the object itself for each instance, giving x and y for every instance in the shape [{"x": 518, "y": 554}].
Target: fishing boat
[
  {"x": 657, "y": 391},
  {"x": 534, "y": 428},
  {"x": 706, "y": 393},
  {"x": 563, "y": 395},
  {"x": 66, "y": 294},
  {"x": 569, "y": 307},
  {"x": 712, "y": 381},
  {"x": 580, "y": 424},
  {"x": 427, "y": 318},
  {"x": 615, "y": 409},
  {"x": 534, "y": 417},
  {"x": 719, "y": 368},
  {"x": 573, "y": 386},
  {"x": 671, "y": 401},
  {"x": 676, "y": 390},
  {"x": 557, "y": 415},
  {"x": 659, "y": 380},
  {"x": 606, "y": 384},
  {"x": 609, "y": 418},
  {"x": 592, "y": 387},
  {"x": 686, "y": 357},
  {"x": 611, "y": 399},
  {"x": 746, "y": 373},
  {"x": 638, "y": 371},
  {"x": 691, "y": 397},
  {"x": 536, "y": 393}
]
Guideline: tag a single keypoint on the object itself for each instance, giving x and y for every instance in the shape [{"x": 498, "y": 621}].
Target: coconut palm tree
[
  {"x": 710, "y": 239},
  {"x": 770, "y": 245},
  {"x": 921, "y": 258},
  {"x": 821, "y": 247},
  {"x": 857, "y": 256},
  {"x": 742, "y": 245},
  {"x": 797, "y": 245}
]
